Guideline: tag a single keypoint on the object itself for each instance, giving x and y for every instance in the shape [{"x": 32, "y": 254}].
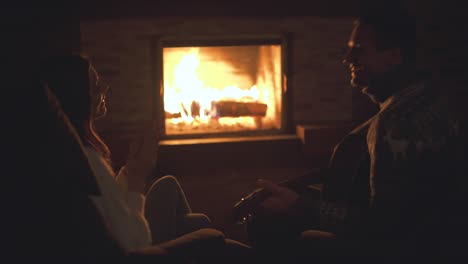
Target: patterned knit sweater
[{"x": 407, "y": 176}]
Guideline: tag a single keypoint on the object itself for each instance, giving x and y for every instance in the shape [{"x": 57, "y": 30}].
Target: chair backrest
[{"x": 49, "y": 181}]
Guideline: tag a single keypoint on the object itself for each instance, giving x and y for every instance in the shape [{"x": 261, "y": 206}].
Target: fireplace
[{"x": 220, "y": 86}]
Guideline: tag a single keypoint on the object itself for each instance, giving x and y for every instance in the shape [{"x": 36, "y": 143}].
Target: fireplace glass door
[{"x": 222, "y": 87}]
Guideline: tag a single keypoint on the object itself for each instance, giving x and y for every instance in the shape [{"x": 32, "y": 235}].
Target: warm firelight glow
[{"x": 191, "y": 100}]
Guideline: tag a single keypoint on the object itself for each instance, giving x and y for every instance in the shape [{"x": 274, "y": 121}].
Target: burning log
[
  {"x": 194, "y": 111},
  {"x": 173, "y": 115},
  {"x": 236, "y": 109},
  {"x": 225, "y": 109}
]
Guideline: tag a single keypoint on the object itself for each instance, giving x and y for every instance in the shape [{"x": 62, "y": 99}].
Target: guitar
[
  {"x": 245, "y": 207},
  {"x": 347, "y": 166}
]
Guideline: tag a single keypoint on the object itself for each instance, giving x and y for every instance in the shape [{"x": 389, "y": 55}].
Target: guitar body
[
  {"x": 246, "y": 207},
  {"x": 348, "y": 165}
]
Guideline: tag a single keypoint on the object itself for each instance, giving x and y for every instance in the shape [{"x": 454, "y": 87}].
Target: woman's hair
[{"x": 68, "y": 77}]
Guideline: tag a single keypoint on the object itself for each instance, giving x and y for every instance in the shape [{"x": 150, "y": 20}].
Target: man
[{"x": 395, "y": 182}]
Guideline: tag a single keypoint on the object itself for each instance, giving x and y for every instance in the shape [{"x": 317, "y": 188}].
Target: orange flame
[{"x": 183, "y": 88}]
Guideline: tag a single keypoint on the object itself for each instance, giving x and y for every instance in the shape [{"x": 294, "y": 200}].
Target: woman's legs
[
  {"x": 182, "y": 233},
  {"x": 168, "y": 212},
  {"x": 192, "y": 222},
  {"x": 208, "y": 245}
]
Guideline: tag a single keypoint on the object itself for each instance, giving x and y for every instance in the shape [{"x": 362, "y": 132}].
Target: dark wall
[
  {"x": 39, "y": 31},
  {"x": 32, "y": 33}
]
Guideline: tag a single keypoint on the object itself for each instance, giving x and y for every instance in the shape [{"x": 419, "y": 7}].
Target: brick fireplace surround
[{"x": 322, "y": 105}]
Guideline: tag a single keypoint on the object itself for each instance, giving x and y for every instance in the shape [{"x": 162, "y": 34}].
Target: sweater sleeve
[
  {"x": 136, "y": 201},
  {"x": 124, "y": 214},
  {"x": 121, "y": 178}
]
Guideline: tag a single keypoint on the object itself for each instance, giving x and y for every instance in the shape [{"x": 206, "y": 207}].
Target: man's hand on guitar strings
[{"x": 280, "y": 200}]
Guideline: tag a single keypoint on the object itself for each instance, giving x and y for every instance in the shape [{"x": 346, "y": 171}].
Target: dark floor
[
  {"x": 215, "y": 193},
  {"x": 214, "y": 178}
]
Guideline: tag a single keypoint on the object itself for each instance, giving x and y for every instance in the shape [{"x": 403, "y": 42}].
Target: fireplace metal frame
[{"x": 158, "y": 42}]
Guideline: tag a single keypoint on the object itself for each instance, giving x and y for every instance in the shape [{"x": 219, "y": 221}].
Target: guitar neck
[
  {"x": 298, "y": 184},
  {"x": 301, "y": 183}
]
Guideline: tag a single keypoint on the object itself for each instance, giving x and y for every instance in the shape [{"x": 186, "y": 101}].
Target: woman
[{"x": 167, "y": 214}]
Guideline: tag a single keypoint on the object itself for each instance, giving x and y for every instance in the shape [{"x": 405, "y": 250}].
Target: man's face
[{"x": 365, "y": 61}]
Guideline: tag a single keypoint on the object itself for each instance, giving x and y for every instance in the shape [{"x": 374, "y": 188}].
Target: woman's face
[{"x": 98, "y": 94}]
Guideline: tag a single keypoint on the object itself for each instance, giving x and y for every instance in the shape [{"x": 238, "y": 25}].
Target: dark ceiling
[
  {"x": 206, "y": 8},
  {"x": 101, "y": 9}
]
